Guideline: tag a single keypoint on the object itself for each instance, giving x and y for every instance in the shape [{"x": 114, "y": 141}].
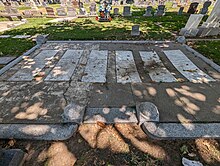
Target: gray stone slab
[
  {"x": 126, "y": 68},
  {"x": 156, "y": 68},
  {"x": 11, "y": 157},
  {"x": 135, "y": 30},
  {"x": 147, "y": 112},
  {"x": 66, "y": 66},
  {"x": 186, "y": 67},
  {"x": 32, "y": 67},
  {"x": 96, "y": 68},
  {"x": 6, "y": 60},
  {"x": 32, "y": 102},
  {"x": 163, "y": 97},
  {"x": 111, "y": 95},
  {"x": 181, "y": 102},
  {"x": 110, "y": 115},
  {"x": 182, "y": 130},
  {"x": 37, "y": 132}
]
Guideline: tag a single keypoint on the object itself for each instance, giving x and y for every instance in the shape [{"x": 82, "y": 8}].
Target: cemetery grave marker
[
  {"x": 116, "y": 11},
  {"x": 61, "y": 12},
  {"x": 191, "y": 28},
  {"x": 160, "y": 10},
  {"x": 205, "y": 7},
  {"x": 148, "y": 12},
  {"x": 71, "y": 12},
  {"x": 193, "y": 8},
  {"x": 50, "y": 11},
  {"x": 180, "y": 12},
  {"x": 127, "y": 11},
  {"x": 135, "y": 30},
  {"x": 212, "y": 25},
  {"x": 92, "y": 9}
]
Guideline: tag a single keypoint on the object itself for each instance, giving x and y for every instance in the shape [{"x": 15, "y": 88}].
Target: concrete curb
[
  {"x": 17, "y": 60},
  {"x": 181, "y": 130},
  {"x": 202, "y": 39},
  {"x": 37, "y": 132},
  {"x": 206, "y": 60},
  {"x": 148, "y": 117},
  {"x": 112, "y": 41}
]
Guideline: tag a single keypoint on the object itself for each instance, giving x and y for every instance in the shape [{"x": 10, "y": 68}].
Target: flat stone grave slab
[
  {"x": 111, "y": 95},
  {"x": 6, "y": 60},
  {"x": 181, "y": 102},
  {"x": 32, "y": 102}
]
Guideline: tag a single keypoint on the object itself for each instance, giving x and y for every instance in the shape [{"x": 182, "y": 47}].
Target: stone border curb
[
  {"x": 181, "y": 130},
  {"x": 202, "y": 39},
  {"x": 37, "y": 131},
  {"x": 112, "y": 41},
  {"x": 148, "y": 117},
  {"x": 206, "y": 60},
  {"x": 17, "y": 60},
  {"x": 40, "y": 40}
]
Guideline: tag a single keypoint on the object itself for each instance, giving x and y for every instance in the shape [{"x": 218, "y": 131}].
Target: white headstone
[{"x": 191, "y": 28}]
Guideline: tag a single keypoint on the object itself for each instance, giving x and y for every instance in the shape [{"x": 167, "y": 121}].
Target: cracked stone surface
[{"x": 40, "y": 101}]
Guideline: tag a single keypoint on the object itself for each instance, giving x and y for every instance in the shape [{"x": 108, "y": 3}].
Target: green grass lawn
[
  {"x": 209, "y": 49},
  {"x": 90, "y": 29}
]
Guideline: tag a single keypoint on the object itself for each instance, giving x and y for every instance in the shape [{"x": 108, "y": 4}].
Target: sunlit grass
[{"x": 209, "y": 49}]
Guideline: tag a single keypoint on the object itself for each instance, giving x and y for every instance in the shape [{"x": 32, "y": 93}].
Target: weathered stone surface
[
  {"x": 126, "y": 68},
  {"x": 111, "y": 95},
  {"x": 37, "y": 132},
  {"x": 74, "y": 113},
  {"x": 96, "y": 67},
  {"x": 186, "y": 67},
  {"x": 156, "y": 68},
  {"x": 110, "y": 115},
  {"x": 182, "y": 130},
  {"x": 6, "y": 60},
  {"x": 147, "y": 112},
  {"x": 66, "y": 66}
]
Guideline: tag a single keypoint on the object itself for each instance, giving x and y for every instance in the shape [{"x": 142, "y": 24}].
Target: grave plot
[{"x": 76, "y": 88}]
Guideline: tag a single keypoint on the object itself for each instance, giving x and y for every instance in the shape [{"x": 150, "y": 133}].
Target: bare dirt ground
[{"x": 119, "y": 144}]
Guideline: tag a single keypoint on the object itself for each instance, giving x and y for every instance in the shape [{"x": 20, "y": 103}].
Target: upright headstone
[
  {"x": 160, "y": 10},
  {"x": 127, "y": 11},
  {"x": 193, "y": 8},
  {"x": 82, "y": 11},
  {"x": 50, "y": 11},
  {"x": 180, "y": 12},
  {"x": 191, "y": 28},
  {"x": 212, "y": 24},
  {"x": 71, "y": 12},
  {"x": 116, "y": 11},
  {"x": 61, "y": 12},
  {"x": 92, "y": 9},
  {"x": 148, "y": 12},
  {"x": 174, "y": 5},
  {"x": 205, "y": 7},
  {"x": 135, "y": 30}
]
